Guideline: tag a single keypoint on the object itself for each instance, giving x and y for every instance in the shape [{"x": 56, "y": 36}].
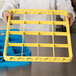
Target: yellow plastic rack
[{"x": 53, "y": 45}]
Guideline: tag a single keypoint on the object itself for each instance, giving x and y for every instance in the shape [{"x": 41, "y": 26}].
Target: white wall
[{"x": 1, "y": 3}]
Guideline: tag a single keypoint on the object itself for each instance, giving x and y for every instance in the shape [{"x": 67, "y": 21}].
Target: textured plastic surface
[
  {"x": 38, "y": 33},
  {"x": 12, "y": 51}
]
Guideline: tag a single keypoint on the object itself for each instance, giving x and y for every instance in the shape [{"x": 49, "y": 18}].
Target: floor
[{"x": 45, "y": 69}]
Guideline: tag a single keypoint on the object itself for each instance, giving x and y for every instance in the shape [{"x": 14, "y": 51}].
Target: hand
[
  {"x": 5, "y": 15},
  {"x": 70, "y": 18}
]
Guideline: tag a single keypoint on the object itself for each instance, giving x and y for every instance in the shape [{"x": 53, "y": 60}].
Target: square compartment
[
  {"x": 15, "y": 38},
  {"x": 46, "y": 51},
  {"x": 60, "y": 28},
  {"x": 17, "y": 50},
  {"x": 30, "y": 38},
  {"x": 60, "y": 40},
  {"x": 18, "y": 17},
  {"x": 61, "y": 52},
  {"x": 31, "y": 17},
  {"x": 45, "y": 39},
  {"x": 33, "y": 51}
]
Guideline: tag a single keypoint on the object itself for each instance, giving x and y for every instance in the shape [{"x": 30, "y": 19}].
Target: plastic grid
[{"x": 38, "y": 33}]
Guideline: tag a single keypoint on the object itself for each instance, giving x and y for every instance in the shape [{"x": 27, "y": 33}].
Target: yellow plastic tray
[{"x": 53, "y": 45}]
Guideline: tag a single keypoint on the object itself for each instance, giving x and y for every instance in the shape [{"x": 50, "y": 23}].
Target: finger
[
  {"x": 71, "y": 22},
  {"x": 8, "y": 14},
  {"x": 5, "y": 19},
  {"x": 11, "y": 17},
  {"x": 68, "y": 16}
]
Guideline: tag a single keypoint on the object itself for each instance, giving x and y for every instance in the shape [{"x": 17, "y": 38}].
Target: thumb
[
  {"x": 10, "y": 15},
  {"x": 68, "y": 16}
]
